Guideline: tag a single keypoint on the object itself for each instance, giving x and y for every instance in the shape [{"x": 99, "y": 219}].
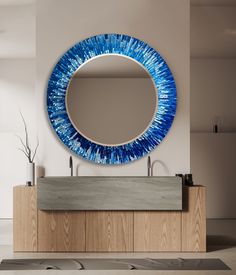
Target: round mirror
[
  {"x": 111, "y": 100},
  {"x": 102, "y": 103}
]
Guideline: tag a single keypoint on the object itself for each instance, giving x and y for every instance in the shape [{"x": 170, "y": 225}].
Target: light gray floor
[
  {"x": 222, "y": 244},
  {"x": 6, "y": 232}
]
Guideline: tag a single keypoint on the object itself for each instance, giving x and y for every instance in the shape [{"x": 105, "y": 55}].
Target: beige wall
[
  {"x": 213, "y": 165},
  {"x": 163, "y": 24},
  {"x": 213, "y": 99},
  {"x": 213, "y": 94}
]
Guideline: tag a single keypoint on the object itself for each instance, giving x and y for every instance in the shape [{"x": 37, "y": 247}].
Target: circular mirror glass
[{"x": 111, "y": 100}]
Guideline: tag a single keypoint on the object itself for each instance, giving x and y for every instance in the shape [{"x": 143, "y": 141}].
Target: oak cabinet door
[
  {"x": 194, "y": 220},
  {"x": 109, "y": 231},
  {"x": 61, "y": 231},
  {"x": 157, "y": 231},
  {"x": 24, "y": 218}
]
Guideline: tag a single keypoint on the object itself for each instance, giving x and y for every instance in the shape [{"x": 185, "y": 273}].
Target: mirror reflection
[{"x": 111, "y": 100}]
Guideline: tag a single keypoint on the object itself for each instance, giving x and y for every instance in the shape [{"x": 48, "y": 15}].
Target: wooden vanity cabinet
[
  {"x": 194, "y": 219},
  {"x": 157, "y": 231},
  {"x": 109, "y": 231},
  {"x": 25, "y": 220},
  {"x": 61, "y": 231}
]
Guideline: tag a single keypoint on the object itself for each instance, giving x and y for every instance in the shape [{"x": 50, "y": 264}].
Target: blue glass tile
[{"x": 111, "y": 44}]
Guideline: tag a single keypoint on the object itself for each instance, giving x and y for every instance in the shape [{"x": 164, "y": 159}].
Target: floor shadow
[{"x": 219, "y": 242}]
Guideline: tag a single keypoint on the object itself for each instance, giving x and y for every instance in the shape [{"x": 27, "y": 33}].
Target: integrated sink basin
[{"x": 109, "y": 193}]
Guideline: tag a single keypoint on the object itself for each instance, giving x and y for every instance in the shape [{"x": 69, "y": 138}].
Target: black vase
[{"x": 188, "y": 179}]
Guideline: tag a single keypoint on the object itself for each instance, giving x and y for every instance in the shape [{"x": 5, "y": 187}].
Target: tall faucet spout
[
  {"x": 149, "y": 166},
  {"x": 71, "y": 166}
]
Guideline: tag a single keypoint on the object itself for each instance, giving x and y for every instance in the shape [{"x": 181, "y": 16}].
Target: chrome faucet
[
  {"x": 71, "y": 166},
  {"x": 149, "y": 167}
]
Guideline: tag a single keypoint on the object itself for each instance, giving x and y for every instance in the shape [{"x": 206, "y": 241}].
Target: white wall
[
  {"x": 213, "y": 94},
  {"x": 164, "y": 24},
  {"x": 17, "y": 86},
  {"x": 17, "y": 27}
]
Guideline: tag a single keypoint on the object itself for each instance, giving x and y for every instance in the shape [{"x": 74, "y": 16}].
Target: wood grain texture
[
  {"x": 61, "y": 231},
  {"x": 157, "y": 231},
  {"x": 109, "y": 193},
  {"x": 110, "y": 231},
  {"x": 24, "y": 218},
  {"x": 194, "y": 220}
]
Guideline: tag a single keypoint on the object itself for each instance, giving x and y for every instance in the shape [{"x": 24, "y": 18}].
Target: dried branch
[
  {"x": 26, "y": 136},
  {"x": 35, "y": 151},
  {"x": 26, "y": 146}
]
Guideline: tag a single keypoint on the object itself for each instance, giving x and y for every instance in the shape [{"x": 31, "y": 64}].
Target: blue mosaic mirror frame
[{"x": 111, "y": 44}]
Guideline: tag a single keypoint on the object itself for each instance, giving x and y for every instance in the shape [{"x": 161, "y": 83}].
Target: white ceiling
[{"x": 17, "y": 29}]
